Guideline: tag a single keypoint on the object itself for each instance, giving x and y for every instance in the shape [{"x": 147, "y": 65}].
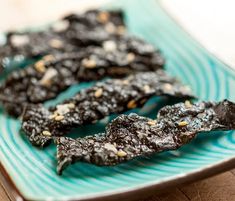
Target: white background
[{"x": 211, "y": 22}]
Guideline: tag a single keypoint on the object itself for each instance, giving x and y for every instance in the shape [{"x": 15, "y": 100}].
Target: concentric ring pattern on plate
[{"x": 33, "y": 170}]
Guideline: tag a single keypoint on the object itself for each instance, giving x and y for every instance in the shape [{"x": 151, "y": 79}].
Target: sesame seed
[
  {"x": 110, "y": 28},
  {"x": 130, "y": 57},
  {"x": 143, "y": 101},
  {"x": 121, "y": 153},
  {"x": 109, "y": 46},
  {"x": 48, "y": 57},
  {"x": 53, "y": 116},
  {"x": 187, "y": 104},
  {"x": 98, "y": 92},
  {"x": 183, "y": 123},
  {"x": 121, "y": 30},
  {"x": 49, "y": 74},
  {"x": 152, "y": 122},
  {"x": 71, "y": 105},
  {"x": 103, "y": 17},
  {"x": 131, "y": 104},
  {"x": 186, "y": 89},
  {"x": 60, "y": 26},
  {"x": 119, "y": 70},
  {"x": 168, "y": 87},
  {"x": 40, "y": 67},
  {"x": 94, "y": 121},
  {"x": 147, "y": 88},
  {"x": 55, "y": 43},
  {"x": 110, "y": 147},
  {"x": 91, "y": 141},
  {"x": 125, "y": 82},
  {"x": 89, "y": 63},
  {"x": 46, "y": 133},
  {"x": 59, "y": 117}
]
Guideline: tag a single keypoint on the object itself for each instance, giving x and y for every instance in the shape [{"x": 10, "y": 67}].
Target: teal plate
[{"x": 31, "y": 172}]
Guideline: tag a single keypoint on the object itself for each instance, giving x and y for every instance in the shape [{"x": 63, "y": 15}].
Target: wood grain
[
  {"x": 3, "y": 194},
  {"x": 217, "y": 188}
]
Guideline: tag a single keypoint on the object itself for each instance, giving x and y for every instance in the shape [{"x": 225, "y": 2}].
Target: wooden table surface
[{"x": 217, "y": 188}]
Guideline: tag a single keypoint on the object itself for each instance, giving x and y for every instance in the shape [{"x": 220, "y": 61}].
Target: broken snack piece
[
  {"x": 97, "y": 102},
  {"x": 67, "y": 35},
  {"x": 54, "y": 73},
  {"x": 130, "y": 136}
]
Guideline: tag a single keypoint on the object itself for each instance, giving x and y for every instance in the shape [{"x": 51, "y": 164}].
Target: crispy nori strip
[
  {"x": 25, "y": 86},
  {"x": 66, "y": 35},
  {"x": 47, "y": 78},
  {"x": 92, "y": 18},
  {"x": 130, "y": 136},
  {"x": 97, "y": 102},
  {"x": 93, "y": 27}
]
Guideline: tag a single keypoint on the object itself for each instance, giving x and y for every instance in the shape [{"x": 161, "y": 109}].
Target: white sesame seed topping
[
  {"x": 110, "y": 147},
  {"x": 59, "y": 117},
  {"x": 98, "y": 92},
  {"x": 130, "y": 57},
  {"x": 19, "y": 40},
  {"x": 109, "y": 46},
  {"x": 168, "y": 87},
  {"x": 60, "y": 26},
  {"x": 49, "y": 74},
  {"x": 56, "y": 43},
  {"x": 121, "y": 153},
  {"x": 89, "y": 63},
  {"x": 46, "y": 133}
]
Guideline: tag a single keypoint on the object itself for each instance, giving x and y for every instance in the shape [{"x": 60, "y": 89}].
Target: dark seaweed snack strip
[
  {"x": 39, "y": 82},
  {"x": 94, "y": 27},
  {"x": 97, "y": 102},
  {"x": 130, "y": 136},
  {"x": 54, "y": 73},
  {"x": 93, "y": 18},
  {"x": 66, "y": 35}
]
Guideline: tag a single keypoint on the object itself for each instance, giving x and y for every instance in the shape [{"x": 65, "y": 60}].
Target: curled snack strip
[
  {"x": 130, "y": 136},
  {"x": 97, "y": 102},
  {"x": 54, "y": 73},
  {"x": 92, "y": 27}
]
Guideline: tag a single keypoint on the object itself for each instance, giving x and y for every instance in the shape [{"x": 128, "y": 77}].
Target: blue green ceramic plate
[{"x": 31, "y": 172}]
